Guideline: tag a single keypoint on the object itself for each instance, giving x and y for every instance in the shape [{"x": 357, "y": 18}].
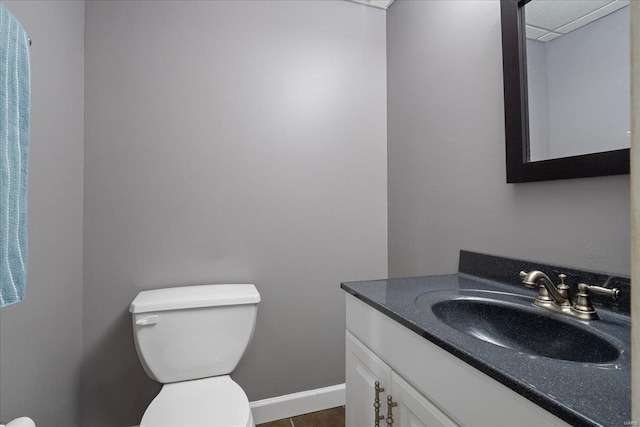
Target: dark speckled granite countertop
[{"x": 582, "y": 394}]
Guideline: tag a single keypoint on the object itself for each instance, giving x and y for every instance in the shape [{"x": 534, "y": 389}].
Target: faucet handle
[
  {"x": 614, "y": 293},
  {"x": 563, "y": 288},
  {"x": 583, "y": 303}
]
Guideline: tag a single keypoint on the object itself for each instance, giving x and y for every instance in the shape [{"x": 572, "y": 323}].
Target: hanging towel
[{"x": 15, "y": 94}]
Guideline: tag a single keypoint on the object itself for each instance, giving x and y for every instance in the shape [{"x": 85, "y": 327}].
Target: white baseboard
[{"x": 304, "y": 402}]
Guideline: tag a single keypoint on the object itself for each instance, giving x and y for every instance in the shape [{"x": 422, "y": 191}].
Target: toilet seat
[{"x": 207, "y": 402}]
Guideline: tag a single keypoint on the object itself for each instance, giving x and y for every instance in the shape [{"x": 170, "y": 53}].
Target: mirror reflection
[{"x": 578, "y": 62}]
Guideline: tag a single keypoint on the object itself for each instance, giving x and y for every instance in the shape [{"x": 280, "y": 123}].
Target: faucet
[
  {"x": 548, "y": 291},
  {"x": 557, "y": 298}
]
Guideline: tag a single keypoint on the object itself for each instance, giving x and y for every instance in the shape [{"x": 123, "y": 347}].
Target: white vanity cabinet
[
  {"x": 368, "y": 378},
  {"x": 430, "y": 386}
]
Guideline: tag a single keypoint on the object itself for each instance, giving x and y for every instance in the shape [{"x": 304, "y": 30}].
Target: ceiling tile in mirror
[
  {"x": 380, "y": 4},
  {"x": 553, "y": 14},
  {"x": 584, "y": 20},
  {"x": 549, "y": 36},
  {"x": 534, "y": 33}
]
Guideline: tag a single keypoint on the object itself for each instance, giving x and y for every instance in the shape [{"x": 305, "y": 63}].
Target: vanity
[{"x": 471, "y": 349}]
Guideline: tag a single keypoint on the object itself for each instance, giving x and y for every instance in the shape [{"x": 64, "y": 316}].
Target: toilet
[{"x": 190, "y": 339}]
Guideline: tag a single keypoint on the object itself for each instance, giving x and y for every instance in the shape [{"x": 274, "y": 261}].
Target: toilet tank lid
[{"x": 184, "y": 297}]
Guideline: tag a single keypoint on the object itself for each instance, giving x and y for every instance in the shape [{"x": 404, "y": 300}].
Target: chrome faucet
[{"x": 558, "y": 299}]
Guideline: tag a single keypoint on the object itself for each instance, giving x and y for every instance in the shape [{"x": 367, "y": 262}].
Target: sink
[{"x": 522, "y": 329}]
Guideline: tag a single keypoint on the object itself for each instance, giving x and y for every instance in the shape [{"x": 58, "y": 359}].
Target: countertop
[{"x": 582, "y": 394}]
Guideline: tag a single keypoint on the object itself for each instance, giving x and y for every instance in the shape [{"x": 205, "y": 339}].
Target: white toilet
[{"x": 190, "y": 339}]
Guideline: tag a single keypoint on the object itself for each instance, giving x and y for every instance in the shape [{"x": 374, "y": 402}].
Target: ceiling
[
  {"x": 549, "y": 19},
  {"x": 380, "y": 4}
]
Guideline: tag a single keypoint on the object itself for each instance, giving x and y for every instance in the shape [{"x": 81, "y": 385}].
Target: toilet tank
[{"x": 192, "y": 332}]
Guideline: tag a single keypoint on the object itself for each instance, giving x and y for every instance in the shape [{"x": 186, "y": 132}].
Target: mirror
[{"x": 566, "y": 73}]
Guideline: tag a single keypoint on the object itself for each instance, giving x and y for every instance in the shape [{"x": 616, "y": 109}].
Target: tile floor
[{"x": 333, "y": 417}]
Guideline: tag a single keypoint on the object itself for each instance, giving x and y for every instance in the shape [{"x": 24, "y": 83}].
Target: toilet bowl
[
  {"x": 194, "y": 403},
  {"x": 190, "y": 339},
  {"x": 21, "y": 422}
]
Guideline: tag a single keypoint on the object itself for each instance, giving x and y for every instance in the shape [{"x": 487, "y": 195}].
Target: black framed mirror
[{"x": 520, "y": 168}]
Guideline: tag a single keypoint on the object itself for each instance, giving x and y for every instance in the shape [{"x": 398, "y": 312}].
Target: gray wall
[
  {"x": 446, "y": 167},
  {"x": 41, "y": 337},
  {"x": 231, "y": 142}
]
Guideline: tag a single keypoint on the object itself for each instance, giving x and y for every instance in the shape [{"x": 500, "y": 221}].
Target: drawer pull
[
  {"x": 376, "y": 404},
  {"x": 390, "y": 405}
]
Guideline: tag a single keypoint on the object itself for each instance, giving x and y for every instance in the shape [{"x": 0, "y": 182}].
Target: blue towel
[{"x": 15, "y": 99}]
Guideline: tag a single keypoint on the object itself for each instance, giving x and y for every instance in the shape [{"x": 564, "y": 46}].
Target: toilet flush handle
[{"x": 147, "y": 320}]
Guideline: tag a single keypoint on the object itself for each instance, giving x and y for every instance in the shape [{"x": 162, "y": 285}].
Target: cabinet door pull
[
  {"x": 390, "y": 405},
  {"x": 376, "y": 404}
]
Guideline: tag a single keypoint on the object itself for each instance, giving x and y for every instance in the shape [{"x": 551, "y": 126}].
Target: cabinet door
[
  {"x": 414, "y": 410},
  {"x": 363, "y": 369}
]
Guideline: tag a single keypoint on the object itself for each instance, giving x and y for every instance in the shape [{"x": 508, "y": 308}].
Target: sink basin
[{"x": 522, "y": 329}]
